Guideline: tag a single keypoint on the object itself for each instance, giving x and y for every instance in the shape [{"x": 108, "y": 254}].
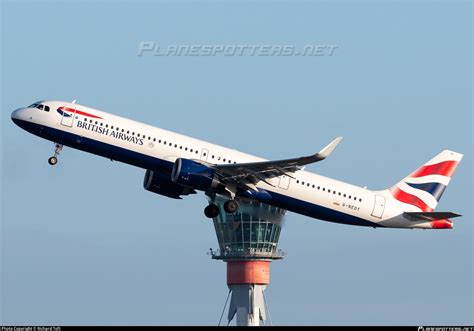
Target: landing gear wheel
[
  {"x": 57, "y": 149},
  {"x": 211, "y": 211},
  {"x": 231, "y": 206},
  {"x": 53, "y": 160}
]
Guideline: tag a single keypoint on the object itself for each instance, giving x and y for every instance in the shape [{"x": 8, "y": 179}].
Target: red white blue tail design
[{"x": 424, "y": 187}]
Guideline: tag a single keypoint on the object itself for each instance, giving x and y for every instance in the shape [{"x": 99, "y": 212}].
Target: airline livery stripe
[
  {"x": 405, "y": 197},
  {"x": 428, "y": 179},
  {"x": 78, "y": 112},
  {"x": 435, "y": 189},
  {"x": 424, "y": 196},
  {"x": 445, "y": 168}
]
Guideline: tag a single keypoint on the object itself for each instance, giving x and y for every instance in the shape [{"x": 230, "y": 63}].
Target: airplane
[{"x": 177, "y": 165}]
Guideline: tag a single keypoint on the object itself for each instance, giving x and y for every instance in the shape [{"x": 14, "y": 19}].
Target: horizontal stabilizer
[{"x": 430, "y": 216}]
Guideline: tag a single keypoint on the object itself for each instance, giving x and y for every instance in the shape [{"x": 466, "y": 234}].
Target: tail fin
[{"x": 424, "y": 187}]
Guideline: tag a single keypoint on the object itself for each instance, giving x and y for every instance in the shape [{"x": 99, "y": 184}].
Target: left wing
[{"x": 246, "y": 175}]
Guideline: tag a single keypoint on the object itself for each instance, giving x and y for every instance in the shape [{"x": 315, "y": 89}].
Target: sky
[{"x": 82, "y": 243}]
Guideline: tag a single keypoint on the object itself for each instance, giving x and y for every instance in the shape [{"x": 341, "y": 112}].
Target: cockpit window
[{"x": 39, "y": 106}]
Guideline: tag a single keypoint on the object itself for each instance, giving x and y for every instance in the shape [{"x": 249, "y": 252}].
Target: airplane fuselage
[{"x": 156, "y": 149}]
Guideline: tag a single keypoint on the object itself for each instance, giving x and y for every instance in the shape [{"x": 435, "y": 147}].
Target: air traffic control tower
[{"x": 248, "y": 241}]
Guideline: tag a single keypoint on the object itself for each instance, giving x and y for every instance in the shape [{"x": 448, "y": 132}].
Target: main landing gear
[
  {"x": 54, "y": 159},
  {"x": 230, "y": 206},
  {"x": 211, "y": 211}
]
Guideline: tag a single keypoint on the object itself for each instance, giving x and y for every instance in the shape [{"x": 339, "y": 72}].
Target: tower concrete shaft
[
  {"x": 246, "y": 281},
  {"x": 247, "y": 304}
]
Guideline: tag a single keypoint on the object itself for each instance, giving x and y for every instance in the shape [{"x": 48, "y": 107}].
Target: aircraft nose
[
  {"x": 18, "y": 114},
  {"x": 15, "y": 114}
]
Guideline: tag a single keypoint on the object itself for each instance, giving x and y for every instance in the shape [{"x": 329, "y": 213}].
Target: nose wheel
[{"x": 54, "y": 159}]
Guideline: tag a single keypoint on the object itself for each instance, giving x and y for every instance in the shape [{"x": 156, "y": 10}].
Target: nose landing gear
[{"x": 54, "y": 159}]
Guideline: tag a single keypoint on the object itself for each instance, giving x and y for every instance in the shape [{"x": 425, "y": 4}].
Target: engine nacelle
[
  {"x": 161, "y": 183},
  {"x": 192, "y": 174}
]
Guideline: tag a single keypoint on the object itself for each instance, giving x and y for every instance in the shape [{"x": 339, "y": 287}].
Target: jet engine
[
  {"x": 194, "y": 175},
  {"x": 160, "y": 183}
]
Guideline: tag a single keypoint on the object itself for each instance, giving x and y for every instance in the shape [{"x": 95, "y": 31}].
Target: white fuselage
[{"x": 153, "y": 148}]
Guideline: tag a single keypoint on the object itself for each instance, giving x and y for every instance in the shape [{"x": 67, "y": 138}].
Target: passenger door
[
  {"x": 379, "y": 206},
  {"x": 68, "y": 115},
  {"x": 284, "y": 182},
  {"x": 204, "y": 154}
]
